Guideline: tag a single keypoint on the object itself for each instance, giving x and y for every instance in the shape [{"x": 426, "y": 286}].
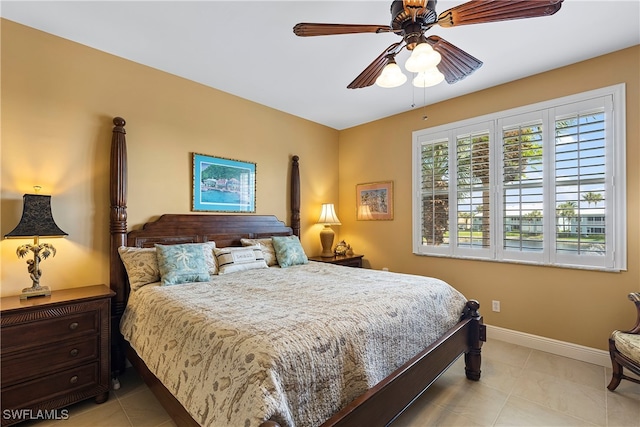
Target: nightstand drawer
[
  {"x": 48, "y": 359},
  {"x": 18, "y": 336},
  {"x": 25, "y": 394}
]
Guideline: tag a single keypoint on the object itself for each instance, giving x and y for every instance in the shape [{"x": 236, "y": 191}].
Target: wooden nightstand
[
  {"x": 54, "y": 351},
  {"x": 346, "y": 260}
]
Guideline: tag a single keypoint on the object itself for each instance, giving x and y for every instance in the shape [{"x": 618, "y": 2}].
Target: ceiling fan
[{"x": 433, "y": 58}]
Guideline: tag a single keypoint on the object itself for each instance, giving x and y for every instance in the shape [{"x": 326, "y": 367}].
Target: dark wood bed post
[
  {"x": 118, "y": 231},
  {"x": 295, "y": 196},
  {"x": 477, "y": 335}
]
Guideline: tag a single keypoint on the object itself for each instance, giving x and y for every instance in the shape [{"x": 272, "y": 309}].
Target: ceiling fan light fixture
[
  {"x": 428, "y": 78},
  {"x": 391, "y": 76},
  {"x": 422, "y": 58}
]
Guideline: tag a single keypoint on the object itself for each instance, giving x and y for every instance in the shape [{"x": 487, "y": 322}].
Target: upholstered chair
[{"x": 624, "y": 348}]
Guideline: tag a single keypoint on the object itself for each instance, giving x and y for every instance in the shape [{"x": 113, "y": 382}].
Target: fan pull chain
[
  {"x": 424, "y": 103},
  {"x": 413, "y": 97}
]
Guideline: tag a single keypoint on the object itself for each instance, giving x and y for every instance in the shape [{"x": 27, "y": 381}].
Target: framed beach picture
[
  {"x": 223, "y": 185},
  {"x": 374, "y": 201}
]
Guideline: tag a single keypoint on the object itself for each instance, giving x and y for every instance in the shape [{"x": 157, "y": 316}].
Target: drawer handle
[
  {"x": 74, "y": 352},
  {"x": 73, "y": 326},
  {"x": 73, "y": 379}
]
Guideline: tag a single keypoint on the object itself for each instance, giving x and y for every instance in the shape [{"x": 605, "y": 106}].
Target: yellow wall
[
  {"x": 58, "y": 102},
  {"x": 566, "y": 304}
]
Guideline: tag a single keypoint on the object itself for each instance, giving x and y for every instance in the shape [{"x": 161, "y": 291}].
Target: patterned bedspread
[{"x": 292, "y": 345}]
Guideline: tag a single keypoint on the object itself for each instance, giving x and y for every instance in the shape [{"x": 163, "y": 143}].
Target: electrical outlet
[{"x": 495, "y": 306}]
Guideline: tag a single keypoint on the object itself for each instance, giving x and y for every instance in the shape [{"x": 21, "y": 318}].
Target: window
[{"x": 541, "y": 184}]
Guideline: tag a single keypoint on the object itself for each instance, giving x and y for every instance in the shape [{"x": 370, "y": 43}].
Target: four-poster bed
[{"x": 379, "y": 405}]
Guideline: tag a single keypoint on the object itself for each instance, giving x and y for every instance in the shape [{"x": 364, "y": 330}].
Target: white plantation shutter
[
  {"x": 542, "y": 184},
  {"x": 434, "y": 194},
  {"x": 581, "y": 190},
  {"x": 473, "y": 190},
  {"x": 521, "y": 212}
]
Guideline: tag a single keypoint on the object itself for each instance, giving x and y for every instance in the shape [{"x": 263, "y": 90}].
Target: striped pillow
[{"x": 234, "y": 259}]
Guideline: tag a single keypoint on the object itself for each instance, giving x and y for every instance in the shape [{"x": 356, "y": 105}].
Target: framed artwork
[
  {"x": 223, "y": 185},
  {"x": 374, "y": 201}
]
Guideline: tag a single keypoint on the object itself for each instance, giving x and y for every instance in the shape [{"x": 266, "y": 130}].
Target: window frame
[{"x": 615, "y": 258}]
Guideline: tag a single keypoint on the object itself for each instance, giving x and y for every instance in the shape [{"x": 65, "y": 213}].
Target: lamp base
[
  {"x": 40, "y": 291},
  {"x": 326, "y": 239}
]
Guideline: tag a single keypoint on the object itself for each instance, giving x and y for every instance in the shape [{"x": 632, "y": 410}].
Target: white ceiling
[{"x": 247, "y": 48}]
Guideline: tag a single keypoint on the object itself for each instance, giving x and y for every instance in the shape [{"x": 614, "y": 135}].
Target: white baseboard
[{"x": 549, "y": 345}]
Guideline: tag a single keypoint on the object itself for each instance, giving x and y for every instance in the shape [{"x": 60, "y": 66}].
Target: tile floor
[{"x": 519, "y": 387}]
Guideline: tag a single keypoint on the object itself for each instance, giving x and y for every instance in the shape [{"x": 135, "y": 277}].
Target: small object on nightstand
[
  {"x": 353, "y": 260},
  {"x": 341, "y": 248}
]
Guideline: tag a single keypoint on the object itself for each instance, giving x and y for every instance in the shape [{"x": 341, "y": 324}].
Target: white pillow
[
  {"x": 209, "y": 257},
  {"x": 266, "y": 246},
  {"x": 141, "y": 265},
  {"x": 234, "y": 259}
]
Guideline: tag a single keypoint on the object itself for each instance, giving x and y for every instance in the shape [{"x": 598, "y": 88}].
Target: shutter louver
[
  {"x": 473, "y": 191},
  {"x": 580, "y": 199},
  {"x": 435, "y": 194},
  {"x": 522, "y": 184}
]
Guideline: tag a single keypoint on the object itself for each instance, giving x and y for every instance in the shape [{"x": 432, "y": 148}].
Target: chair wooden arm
[
  {"x": 635, "y": 297},
  {"x": 619, "y": 361}
]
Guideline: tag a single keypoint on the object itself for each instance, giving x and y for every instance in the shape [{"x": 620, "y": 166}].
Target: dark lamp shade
[{"x": 37, "y": 219}]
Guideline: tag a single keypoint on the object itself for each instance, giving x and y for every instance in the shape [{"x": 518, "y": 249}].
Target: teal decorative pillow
[
  {"x": 289, "y": 251},
  {"x": 182, "y": 264},
  {"x": 234, "y": 259}
]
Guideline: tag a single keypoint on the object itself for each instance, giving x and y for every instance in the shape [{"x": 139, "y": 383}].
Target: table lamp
[
  {"x": 364, "y": 213},
  {"x": 37, "y": 221},
  {"x": 327, "y": 218}
]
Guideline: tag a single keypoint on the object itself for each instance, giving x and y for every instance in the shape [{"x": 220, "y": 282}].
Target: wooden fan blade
[
  {"x": 305, "y": 29},
  {"x": 481, "y": 11},
  {"x": 371, "y": 73},
  {"x": 456, "y": 64}
]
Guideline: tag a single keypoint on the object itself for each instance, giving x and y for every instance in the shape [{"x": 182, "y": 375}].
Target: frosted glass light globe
[
  {"x": 422, "y": 58},
  {"x": 391, "y": 76},
  {"x": 428, "y": 78}
]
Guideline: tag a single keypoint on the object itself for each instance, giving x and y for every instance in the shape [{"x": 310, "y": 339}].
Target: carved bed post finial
[
  {"x": 295, "y": 195},
  {"x": 118, "y": 231}
]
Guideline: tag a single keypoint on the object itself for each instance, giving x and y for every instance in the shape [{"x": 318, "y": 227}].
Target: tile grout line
[
  {"x": 126, "y": 414},
  {"x": 511, "y": 391},
  {"x": 556, "y": 410}
]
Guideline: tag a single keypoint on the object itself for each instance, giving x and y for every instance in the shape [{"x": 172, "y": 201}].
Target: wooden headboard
[{"x": 224, "y": 229}]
